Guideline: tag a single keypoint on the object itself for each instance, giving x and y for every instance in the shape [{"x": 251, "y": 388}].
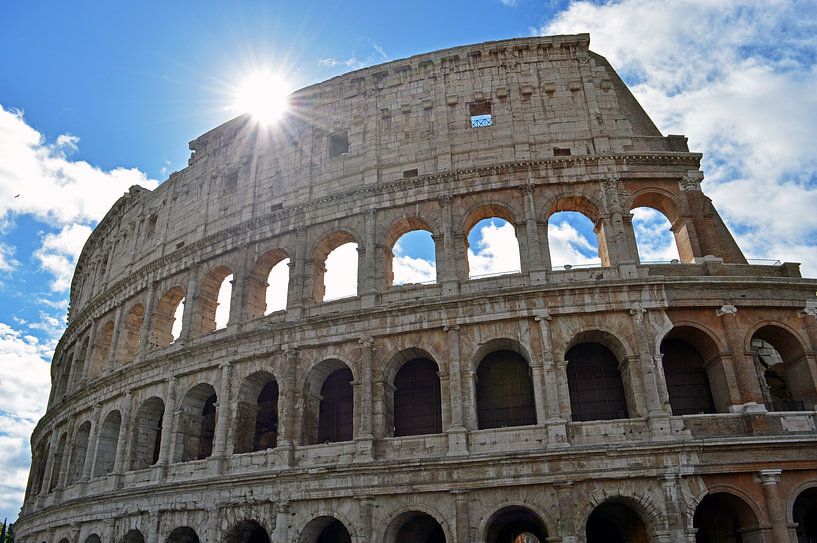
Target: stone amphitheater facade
[{"x": 661, "y": 402}]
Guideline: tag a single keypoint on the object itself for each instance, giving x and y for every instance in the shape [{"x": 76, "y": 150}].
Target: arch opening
[
  {"x": 256, "y": 425},
  {"x": 573, "y": 241},
  {"x": 329, "y": 403},
  {"x": 615, "y": 522},
  {"x": 412, "y": 259},
  {"x": 38, "y": 467},
  {"x": 686, "y": 376},
  {"x": 414, "y": 527},
  {"x": 93, "y": 538},
  {"x": 80, "y": 365},
  {"x": 417, "y": 399},
  {"x": 595, "y": 384},
  {"x": 107, "y": 443},
  {"x": 147, "y": 434},
  {"x": 183, "y": 534},
  {"x": 197, "y": 424},
  {"x": 340, "y": 278},
  {"x": 504, "y": 391},
  {"x": 725, "y": 518},
  {"x": 782, "y": 369},
  {"x": 516, "y": 525},
  {"x": 79, "y": 450},
  {"x": 56, "y": 468},
  {"x": 247, "y": 531},
  {"x": 804, "y": 514},
  {"x": 268, "y": 284},
  {"x": 492, "y": 248},
  {"x": 212, "y": 305},
  {"x": 102, "y": 349},
  {"x": 133, "y": 536},
  {"x": 167, "y": 318},
  {"x": 132, "y": 330},
  {"x": 325, "y": 530},
  {"x": 654, "y": 237}
]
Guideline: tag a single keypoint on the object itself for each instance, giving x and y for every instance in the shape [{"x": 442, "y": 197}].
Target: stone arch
[
  {"x": 130, "y": 334},
  {"x": 504, "y": 385},
  {"x": 783, "y": 370},
  {"x": 257, "y": 417},
  {"x": 196, "y": 424},
  {"x": 102, "y": 349},
  {"x": 512, "y": 520},
  {"x": 320, "y": 251},
  {"x": 498, "y": 344},
  {"x": 326, "y": 527},
  {"x": 39, "y": 458},
  {"x": 79, "y": 361},
  {"x": 489, "y": 210},
  {"x": 394, "y": 232},
  {"x": 146, "y": 437},
  {"x": 616, "y": 521},
  {"x": 258, "y": 282},
  {"x": 247, "y": 531},
  {"x": 603, "y": 336},
  {"x": 802, "y": 511},
  {"x": 416, "y": 398},
  {"x": 164, "y": 317},
  {"x": 693, "y": 371},
  {"x": 670, "y": 207},
  {"x": 207, "y": 305},
  {"x": 134, "y": 535},
  {"x": 107, "y": 440},
  {"x": 93, "y": 538},
  {"x": 595, "y": 381},
  {"x": 56, "y": 465},
  {"x": 328, "y": 403},
  {"x": 79, "y": 452},
  {"x": 586, "y": 206},
  {"x": 726, "y": 516},
  {"x": 418, "y": 525},
  {"x": 183, "y": 534}
]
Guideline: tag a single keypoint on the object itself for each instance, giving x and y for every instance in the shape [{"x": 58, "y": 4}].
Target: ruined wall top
[{"x": 548, "y": 98}]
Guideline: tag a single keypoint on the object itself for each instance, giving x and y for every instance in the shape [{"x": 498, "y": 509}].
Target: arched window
[
  {"x": 783, "y": 370},
  {"x": 80, "y": 365},
  {"x": 516, "y": 525},
  {"x": 573, "y": 240},
  {"x": 334, "y": 267},
  {"x": 147, "y": 434},
  {"x": 183, "y": 534},
  {"x": 325, "y": 530},
  {"x": 335, "y": 417},
  {"x": 492, "y": 248},
  {"x": 653, "y": 236},
  {"x": 268, "y": 285},
  {"x": 256, "y": 426},
  {"x": 131, "y": 331},
  {"x": 133, "y": 536},
  {"x": 197, "y": 423},
  {"x": 504, "y": 391},
  {"x": 417, "y": 399},
  {"x": 167, "y": 318},
  {"x": 56, "y": 465},
  {"x": 79, "y": 450},
  {"x": 414, "y": 526},
  {"x": 804, "y": 514},
  {"x": 687, "y": 381},
  {"x": 412, "y": 259},
  {"x": 212, "y": 305},
  {"x": 595, "y": 384},
  {"x": 725, "y": 518},
  {"x": 102, "y": 349},
  {"x": 106, "y": 444},
  {"x": 38, "y": 462},
  {"x": 615, "y": 522},
  {"x": 247, "y": 531}
]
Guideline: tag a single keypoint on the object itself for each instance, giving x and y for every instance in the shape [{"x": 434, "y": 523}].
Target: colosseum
[{"x": 626, "y": 402}]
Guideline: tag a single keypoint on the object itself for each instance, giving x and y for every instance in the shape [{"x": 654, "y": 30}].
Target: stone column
[
  {"x": 555, "y": 417},
  {"x": 66, "y": 456},
  {"x": 222, "y": 419},
  {"x": 281, "y": 533},
  {"x": 809, "y": 316},
  {"x": 297, "y": 278},
  {"x": 49, "y": 462},
  {"x": 744, "y": 366},
  {"x": 364, "y": 435},
  {"x": 154, "y": 526},
  {"x": 769, "y": 479},
  {"x": 457, "y": 434},
  {"x": 463, "y": 520},
  {"x": 365, "y": 506},
  {"x": 567, "y": 522},
  {"x": 535, "y": 265},
  {"x": 448, "y": 271},
  {"x": 289, "y": 415},
  {"x": 168, "y": 421},
  {"x": 72, "y": 375},
  {"x": 647, "y": 371},
  {"x": 114, "y": 351},
  {"x": 367, "y": 281},
  {"x": 86, "y": 369},
  {"x": 673, "y": 503},
  {"x": 93, "y": 438},
  {"x": 238, "y": 296},
  {"x": 147, "y": 322},
  {"x": 122, "y": 441},
  {"x": 189, "y": 305}
]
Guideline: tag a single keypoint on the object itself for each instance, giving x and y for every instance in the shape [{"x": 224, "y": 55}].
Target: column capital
[
  {"x": 450, "y": 327},
  {"x": 726, "y": 309},
  {"x": 769, "y": 476},
  {"x": 810, "y": 310},
  {"x": 444, "y": 200},
  {"x": 542, "y": 315}
]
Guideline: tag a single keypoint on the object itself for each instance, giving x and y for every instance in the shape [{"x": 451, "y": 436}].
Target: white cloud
[
  {"x": 509, "y": 3},
  {"x": 58, "y": 253},
  {"x": 496, "y": 251},
  {"x": 738, "y": 79},
  {"x": 278, "y": 281},
  {"x": 7, "y": 261},
  {"x": 340, "y": 278},
  {"x": 569, "y": 246},
  {"x": 653, "y": 235},
  {"x": 408, "y": 269},
  {"x": 40, "y": 179}
]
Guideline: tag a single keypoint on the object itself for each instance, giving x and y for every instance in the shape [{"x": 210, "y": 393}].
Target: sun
[{"x": 264, "y": 95}]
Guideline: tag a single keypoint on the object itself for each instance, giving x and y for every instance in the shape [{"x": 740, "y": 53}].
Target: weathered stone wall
[{"x": 252, "y": 196}]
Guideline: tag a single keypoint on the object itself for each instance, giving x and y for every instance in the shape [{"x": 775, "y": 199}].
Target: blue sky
[{"x": 96, "y": 96}]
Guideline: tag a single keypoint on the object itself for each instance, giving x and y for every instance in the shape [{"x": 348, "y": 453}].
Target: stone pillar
[
  {"x": 222, "y": 419},
  {"x": 189, "y": 304},
  {"x": 168, "y": 421},
  {"x": 555, "y": 415},
  {"x": 72, "y": 375},
  {"x": 289, "y": 415},
  {"x": 238, "y": 296},
  {"x": 66, "y": 456},
  {"x": 213, "y": 524},
  {"x": 448, "y": 272},
  {"x": 364, "y": 436},
  {"x": 281, "y": 533},
  {"x": 744, "y": 366},
  {"x": 769, "y": 479},
  {"x": 93, "y": 438},
  {"x": 154, "y": 526},
  {"x": 147, "y": 322},
  {"x": 86, "y": 369},
  {"x": 809, "y": 316},
  {"x": 646, "y": 369},
  {"x": 463, "y": 520},
  {"x": 49, "y": 462},
  {"x": 673, "y": 503},
  {"x": 457, "y": 434},
  {"x": 365, "y": 507},
  {"x": 122, "y": 441},
  {"x": 535, "y": 265},
  {"x": 567, "y": 522},
  {"x": 367, "y": 280},
  {"x": 297, "y": 278},
  {"x": 114, "y": 351}
]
